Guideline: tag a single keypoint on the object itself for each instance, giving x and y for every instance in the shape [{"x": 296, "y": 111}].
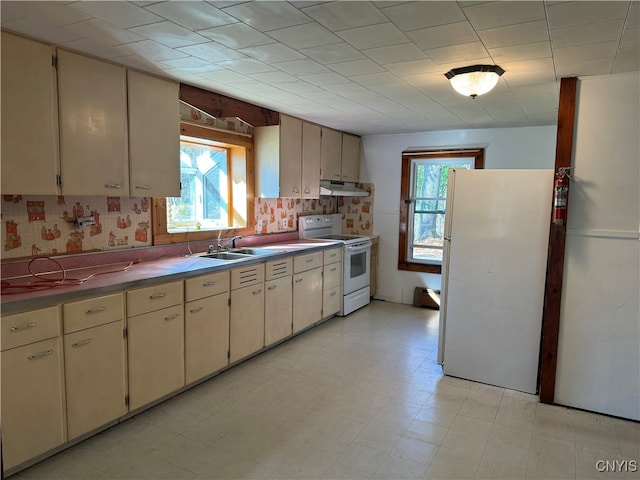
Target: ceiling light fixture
[{"x": 474, "y": 80}]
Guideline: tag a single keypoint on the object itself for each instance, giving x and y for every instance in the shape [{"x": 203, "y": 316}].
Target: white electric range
[{"x": 355, "y": 265}]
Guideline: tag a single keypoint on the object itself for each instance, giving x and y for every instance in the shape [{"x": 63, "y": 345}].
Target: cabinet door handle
[
  {"x": 306, "y": 190},
  {"x": 95, "y": 310},
  {"x": 112, "y": 185},
  {"x": 196, "y": 310},
  {"x": 337, "y": 175},
  {"x": 332, "y": 294},
  {"x": 155, "y": 296},
  {"x": 309, "y": 260},
  {"x": 82, "y": 343},
  {"x": 298, "y": 280},
  {"x": 209, "y": 284},
  {"x": 143, "y": 187},
  {"x": 256, "y": 292},
  {"x": 295, "y": 190},
  {"x": 171, "y": 317},
  {"x": 333, "y": 269},
  {"x": 37, "y": 356},
  {"x": 23, "y": 327},
  {"x": 272, "y": 287}
]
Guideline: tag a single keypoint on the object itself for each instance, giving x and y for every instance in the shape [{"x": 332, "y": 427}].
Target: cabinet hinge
[
  {"x": 54, "y": 61},
  {"x": 58, "y": 180},
  {"x": 228, "y": 354},
  {"x": 126, "y": 400},
  {"x": 125, "y": 332},
  {"x": 229, "y": 301}
]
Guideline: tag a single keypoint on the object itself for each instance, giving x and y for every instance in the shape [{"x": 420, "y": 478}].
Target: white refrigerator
[{"x": 493, "y": 275}]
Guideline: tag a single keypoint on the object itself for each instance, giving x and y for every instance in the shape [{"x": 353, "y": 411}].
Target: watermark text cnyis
[{"x": 610, "y": 466}]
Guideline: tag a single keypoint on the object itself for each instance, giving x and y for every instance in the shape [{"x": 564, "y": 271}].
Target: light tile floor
[{"x": 355, "y": 398}]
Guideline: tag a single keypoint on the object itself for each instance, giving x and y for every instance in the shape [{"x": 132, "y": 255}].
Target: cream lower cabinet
[
  {"x": 246, "y": 324},
  {"x": 278, "y": 301},
  {"x": 206, "y": 335},
  {"x": 94, "y": 358},
  {"x": 307, "y": 290},
  {"x": 332, "y": 282},
  {"x": 155, "y": 325},
  {"x": 33, "y": 417}
]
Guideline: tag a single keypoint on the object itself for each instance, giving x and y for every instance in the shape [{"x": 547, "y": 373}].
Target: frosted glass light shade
[{"x": 474, "y": 80}]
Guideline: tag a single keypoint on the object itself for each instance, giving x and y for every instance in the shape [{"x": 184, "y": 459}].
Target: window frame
[
  {"x": 241, "y": 155},
  {"x": 405, "y": 194}
]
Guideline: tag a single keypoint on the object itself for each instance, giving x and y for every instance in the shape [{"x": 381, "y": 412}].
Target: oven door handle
[{"x": 356, "y": 248}]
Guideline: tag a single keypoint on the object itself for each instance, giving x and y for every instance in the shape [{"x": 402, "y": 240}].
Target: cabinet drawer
[
  {"x": 332, "y": 256},
  {"x": 245, "y": 276},
  {"x": 302, "y": 263},
  {"x": 331, "y": 300},
  {"x": 92, "y": 312},
  {"x": 28, "y": 327},
  {"x": 332, "y": 276},
  {"x": 154, "y": 298},
  {"x": 206, "y": 285},
  {"x": 279, "y": 268}
]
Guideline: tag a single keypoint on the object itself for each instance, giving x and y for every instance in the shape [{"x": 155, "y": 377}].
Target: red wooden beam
[{"x": 555, "y": 259}]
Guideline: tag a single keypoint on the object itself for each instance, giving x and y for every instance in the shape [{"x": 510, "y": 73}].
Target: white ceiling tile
[
  {"x": 192, "y": 14},
  {"x": 529, "y": 32},
  {"x": 404, "y": 52},
  {"x": 627, "y": 60},
  {"x": 305, "y": 36},
  {"x": 443, "y": 36},
  {"x": 375, "y": 79},
  {"x": 139, "y": 62},
  {"x": 579, "y": 13},
  {"x": 52, "y": 13},
  {"x": 169, "y": 34},
  {"x": 595, "y": 66},
  {"x": 324, "y": 79},
  {"x": 272, "y": 53},
  {"x": 274, "y": 78},
  {"x": 211, "y": 51},
  {"x": 357, "y": 67},
  {"x": 415, "y": 15},
  {"x": 224, "y": 76},
  {"x": 335, "y": 53},
  {"x": 413, "y": 68},
  {"x": 150, "y": 50},
  {"x": 498, "y": 14},
  {"x": 92, "y": 47},
  {"x": 306, "y": 90},
  {"x": 372, "y": 36},
  {"x": 458, "y": 53},
  {"x": 344, "y": 15},
  {"x": 267, "y": 16},
  {"x": 103, "y": 32},
  {"x": 39, "y": 28},
  {"x": 630, "y": 38},
  {"x": 122, "y": 14},
  {"x": 585, "y": 52},
  {"x": 633, "y": 17},
  {"x": 583, "y": 34},
  {"x": 351, "y": 90},
  {"x": 236, "y": 35},
  {"x": 192, "y": 64},
  {"x": 302, "y": 67},
  {"x": 247, "y": 66},
  {"x": 521, "y": 52}
]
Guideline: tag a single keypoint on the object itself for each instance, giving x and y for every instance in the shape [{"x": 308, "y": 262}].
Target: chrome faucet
[{"x": 232, "y": 241}]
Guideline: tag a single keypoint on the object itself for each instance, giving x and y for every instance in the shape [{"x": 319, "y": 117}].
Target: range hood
[{"x": 341, "y": 189}]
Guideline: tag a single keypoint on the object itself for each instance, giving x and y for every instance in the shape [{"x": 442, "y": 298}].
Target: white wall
[
  {"x": 599, "y": 343},
  {"x": 530, "y": 147}
]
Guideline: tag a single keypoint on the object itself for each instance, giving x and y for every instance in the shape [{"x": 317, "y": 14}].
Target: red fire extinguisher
[{"x": 560, "y": 194}]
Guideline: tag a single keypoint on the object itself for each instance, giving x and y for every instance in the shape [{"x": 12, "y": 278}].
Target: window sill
[{"x": 419, "y": 267}]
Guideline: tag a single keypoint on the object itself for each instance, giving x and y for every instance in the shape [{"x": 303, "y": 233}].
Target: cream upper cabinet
[
  {"x": 311, "y": 140},
  {"x": 350, "y": 158},
  {"x": 154, "y": 136},
  {"x": 29, "y": 117},
  {"x": 92, "y": 96},
  {"x": 331, "y": 154}
]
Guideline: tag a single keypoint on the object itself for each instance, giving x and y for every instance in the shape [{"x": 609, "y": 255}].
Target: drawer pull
[
  {"x": 38, "y": 356},
  {"x": 332, "y": 294},
  {"x": 209, "y": 284},
  {"x": 155, "y": 296},
  {"x": 298, "y": 280},
  {"x": 112, "y": 185},
  {"x": 272, "y": 287},
  {"x": 256, "y": 292},
  {"x": 95, "y": 310},
  {"x": 196, "y": 310},
  {"x": 23, "y": 327},
  {"x": 82, "y": 343},
  {"x": 309, "y": 260},
  {"x": 333, "y": 269},
  {"x": 307, "y": 191},
  {"x": 171, "y": 317},
  {"x": 143, "y": 187}
]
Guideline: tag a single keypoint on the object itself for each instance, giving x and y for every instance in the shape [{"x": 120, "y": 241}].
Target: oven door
[{"x": 356, "y": 267}]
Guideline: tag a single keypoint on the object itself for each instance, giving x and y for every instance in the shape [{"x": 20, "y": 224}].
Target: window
[
  {"x": 425, "y": 178},
  {"x": 216, "y": 175}
]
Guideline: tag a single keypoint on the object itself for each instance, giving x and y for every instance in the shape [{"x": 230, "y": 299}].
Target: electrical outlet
[
  {"x": 259, "y": 226},
  {"x": 284, "y": 223}
]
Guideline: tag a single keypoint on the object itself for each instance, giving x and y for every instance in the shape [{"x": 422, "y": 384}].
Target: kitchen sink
[
  {"x": 226, "y": 255},
  {"x": 254, "y": 251}
]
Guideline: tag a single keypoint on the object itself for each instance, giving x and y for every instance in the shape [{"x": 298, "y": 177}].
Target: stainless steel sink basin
[
  {"x": 226, "y": 256},
  {"x": 254, "y": 251}
]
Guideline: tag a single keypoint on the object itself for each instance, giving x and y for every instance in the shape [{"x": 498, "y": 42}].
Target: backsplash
[{"x": 44, "y": 225}]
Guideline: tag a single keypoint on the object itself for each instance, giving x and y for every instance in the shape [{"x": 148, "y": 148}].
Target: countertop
[{"x": 141, "y": 273}]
